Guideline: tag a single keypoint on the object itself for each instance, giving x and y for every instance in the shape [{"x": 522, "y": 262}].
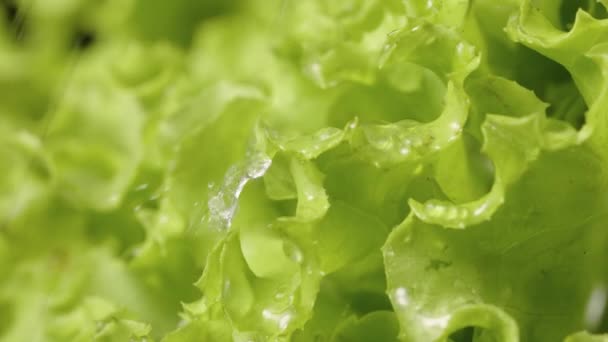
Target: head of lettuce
[{"x": 308, "y": 171}]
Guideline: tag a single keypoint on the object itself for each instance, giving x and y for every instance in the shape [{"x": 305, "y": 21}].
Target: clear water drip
[
  {"x": 379, "y": 138},
  {"x": 401, "y": 296},
  {"x": 440, "y": 322},
  {"x": 258, "y": 167},
  {"x": 481, "y": 209},
  {"x": 596, "y": 307},
  {"x": 293, "y": 252},
  {"x": 223, "y": 200},
  {"x": 281, "y": 319}
]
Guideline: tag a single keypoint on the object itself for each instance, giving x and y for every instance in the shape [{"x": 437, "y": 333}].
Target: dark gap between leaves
[
  {"x": 84, "y": 39},
  {"x": 569, "y": 8},
  {"x": 15, "y": 18},
  {"x": 463, "y": 335},
  {"x": 553, "y": 84}
]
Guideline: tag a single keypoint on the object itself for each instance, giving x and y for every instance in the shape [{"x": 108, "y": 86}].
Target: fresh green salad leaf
[{"x": 304, "y": 170}]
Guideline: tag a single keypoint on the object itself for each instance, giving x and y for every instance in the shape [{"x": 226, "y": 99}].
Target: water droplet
[
  {"x": 240, "y": 186},
  {"x": 380, "y": 140},
  {"x": 435, "y": 209},
  {"x": 481, "y": 209},
  {"x": 282, "y": 319},
  {"x": 436, "y": 322},
  {"x": 352, "y": 124},
  {"x": 326, "y": 135},
  {"x": 258, "y": 167},
  {"x": 401, "y": 296},
  {"x": 596, "y": 306},
  {"x": 452, "y": 213},
  {"x": 293, "y": 252},
  {"x": 309, "y": 196},
  {"x": 218, "y": 211},
  {"x": 460, "y": 48},
  {"x": 223, "y": 200}
]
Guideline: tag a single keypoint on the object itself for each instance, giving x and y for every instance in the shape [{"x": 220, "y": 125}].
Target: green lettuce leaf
[{"x": 308, "y": 171}]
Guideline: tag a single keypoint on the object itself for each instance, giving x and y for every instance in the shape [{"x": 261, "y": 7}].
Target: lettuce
[{"x": 349, "y": 170}]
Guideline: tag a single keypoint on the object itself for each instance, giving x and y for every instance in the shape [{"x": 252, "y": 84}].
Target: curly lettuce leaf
[{"x": 303, "y": 170}]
